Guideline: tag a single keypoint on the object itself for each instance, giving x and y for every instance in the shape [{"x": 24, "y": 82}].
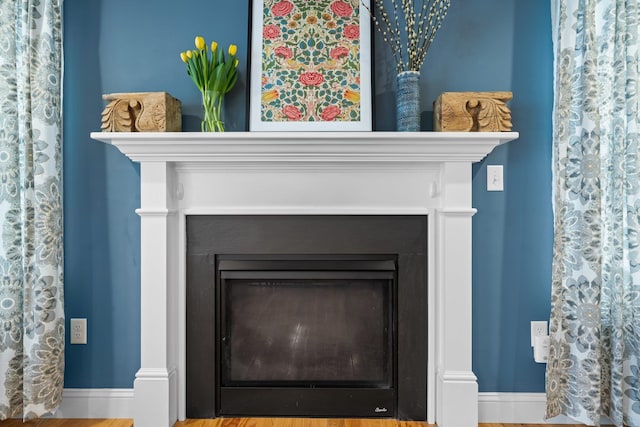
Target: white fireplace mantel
[{"x": 325, "y": 173}]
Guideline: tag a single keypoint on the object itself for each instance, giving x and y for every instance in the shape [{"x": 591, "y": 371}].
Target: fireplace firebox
[{"x": 312, "y": 316}]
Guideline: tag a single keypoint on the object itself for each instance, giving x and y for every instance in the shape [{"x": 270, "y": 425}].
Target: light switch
[{"x": 495, "y": 180}]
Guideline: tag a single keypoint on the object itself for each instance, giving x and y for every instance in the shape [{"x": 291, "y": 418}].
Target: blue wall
[{"x": 127, "y": 46}]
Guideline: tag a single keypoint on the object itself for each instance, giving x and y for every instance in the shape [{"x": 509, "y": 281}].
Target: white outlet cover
[
  {"x": 78, "y": 331},
  {"x": 539, "y": 328}
]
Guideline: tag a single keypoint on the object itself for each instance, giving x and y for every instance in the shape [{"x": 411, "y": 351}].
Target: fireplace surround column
[
  {"x": 155, "y": 386},
  {"x": 455, "y": 380},
  {"x": 298, "y": 173}
]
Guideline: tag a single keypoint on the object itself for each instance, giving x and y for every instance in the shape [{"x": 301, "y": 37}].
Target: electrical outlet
[
  {"x": 539, "y": 328},
  {"x": 78, "y": 331},
  {"x": 541, "y": 350}
]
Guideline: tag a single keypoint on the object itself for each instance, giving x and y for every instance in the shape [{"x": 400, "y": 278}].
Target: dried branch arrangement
[{"x": 419, "y": 27}]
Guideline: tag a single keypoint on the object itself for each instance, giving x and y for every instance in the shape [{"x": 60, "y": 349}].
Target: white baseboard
[
  {"x": 511, "y": 408},
  {"x": 514, "y": 408},
  {"x": 517, "y": 408},
  {"x": 96, "y": 403}
]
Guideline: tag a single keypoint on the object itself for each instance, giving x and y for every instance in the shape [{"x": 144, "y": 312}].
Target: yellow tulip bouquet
[{"x": 215, "y": 74}]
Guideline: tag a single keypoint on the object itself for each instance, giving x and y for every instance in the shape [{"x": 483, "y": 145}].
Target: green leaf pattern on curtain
[
  {"x": 31, "y": 258},
  {"x": 593, "y": 366}
]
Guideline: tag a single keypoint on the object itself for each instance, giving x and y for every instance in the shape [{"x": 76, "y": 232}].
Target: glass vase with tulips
[{"x": 214, "y": 74}]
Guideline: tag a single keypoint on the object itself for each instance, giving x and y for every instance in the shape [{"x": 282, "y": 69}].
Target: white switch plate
[
  {"x": 495, "y": 180},
  {"x": 78, "y": 333}
]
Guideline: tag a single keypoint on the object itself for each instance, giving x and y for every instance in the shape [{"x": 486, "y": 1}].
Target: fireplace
[
  {"x": 315, "y": 315},
  {"x": 303, "y": 173},
  {"x": 305, "y": 337}
]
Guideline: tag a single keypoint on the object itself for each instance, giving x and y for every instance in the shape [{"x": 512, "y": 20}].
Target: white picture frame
[{"x": 310, "y": 70}]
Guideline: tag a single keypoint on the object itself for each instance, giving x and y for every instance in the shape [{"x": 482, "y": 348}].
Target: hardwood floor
[
  {"x": 59, "y": 422},
  {"x": 252, "y": 422}
]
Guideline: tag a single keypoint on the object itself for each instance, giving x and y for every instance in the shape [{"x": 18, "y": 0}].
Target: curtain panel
[
  {"x": 31, "y": 258},
  {"x": 593, "y": 366}
]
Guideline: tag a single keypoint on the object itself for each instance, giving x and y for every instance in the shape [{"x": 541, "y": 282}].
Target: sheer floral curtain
[
  {"x": 31, "y": 269},
  {"x": 593, "y": 367}
]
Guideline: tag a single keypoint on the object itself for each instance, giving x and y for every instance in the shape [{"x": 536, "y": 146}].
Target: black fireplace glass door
[{"x": 307, "y": 331}]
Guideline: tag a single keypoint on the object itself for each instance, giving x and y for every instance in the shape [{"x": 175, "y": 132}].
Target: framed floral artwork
[{"x": 310, "y": 66}]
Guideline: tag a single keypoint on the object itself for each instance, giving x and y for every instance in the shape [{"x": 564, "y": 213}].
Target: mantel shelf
[{"x": 306, "y": 146}]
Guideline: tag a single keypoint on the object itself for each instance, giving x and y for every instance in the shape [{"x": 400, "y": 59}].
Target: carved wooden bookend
[
  {"x": 472, "y": 112},
  {"x": 142, "y": 112}
]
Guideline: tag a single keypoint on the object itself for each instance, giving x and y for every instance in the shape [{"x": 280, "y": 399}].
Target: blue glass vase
[{"x": 408, "y": 101}]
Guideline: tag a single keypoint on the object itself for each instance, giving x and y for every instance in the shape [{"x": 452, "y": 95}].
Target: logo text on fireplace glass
[{"x": 380, "y": 409}]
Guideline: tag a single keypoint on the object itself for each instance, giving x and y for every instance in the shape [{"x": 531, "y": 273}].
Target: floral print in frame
[{"x": 311, "y": 65}]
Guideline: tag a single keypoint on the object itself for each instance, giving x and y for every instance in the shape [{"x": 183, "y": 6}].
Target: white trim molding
[
  {"x": 517, "y": 408},
  {"x": 240, "y": 149},
  {"x": 320, "y": 173},
  {"x": 96, "y": 403},
  {"x": 511, "y": 408}
]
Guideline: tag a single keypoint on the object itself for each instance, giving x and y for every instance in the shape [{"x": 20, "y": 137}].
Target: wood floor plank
[
  {"x": 59, "y": 422},
  {"x": 335, "y": 422},
  {"x": 85, "y": 423},
  {"x": 19, "y": 423},
  {"x": 200, "y": 423},
  {"x": 414, "y": 424}
]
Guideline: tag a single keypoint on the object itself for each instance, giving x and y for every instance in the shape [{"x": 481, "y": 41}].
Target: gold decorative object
[
  {"x": 141, "y": 112},
  {"x": 472, "y": 112}
]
